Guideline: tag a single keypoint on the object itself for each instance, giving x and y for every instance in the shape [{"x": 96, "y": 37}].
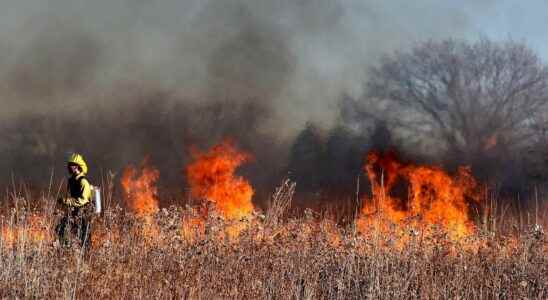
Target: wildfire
[
  {"x": 211, "y": 178},
  {"x": 193, "y": 227},
  {"x": 102, "y": 236},
  {"x": 141, "y": 195},
  {"x": 140, "y": 189},
  {"x": 34, "y": 231},
  {"x": 433, "y": 199}
]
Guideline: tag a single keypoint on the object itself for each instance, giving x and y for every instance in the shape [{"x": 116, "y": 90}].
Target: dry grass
[{"x": 275, "y": 257}]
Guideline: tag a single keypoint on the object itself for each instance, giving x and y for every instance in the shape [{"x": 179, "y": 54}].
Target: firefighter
[{"x": 76, "y": 220}]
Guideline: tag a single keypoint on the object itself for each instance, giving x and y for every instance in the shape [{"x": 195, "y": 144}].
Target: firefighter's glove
[
  {"x": 70, "y": 201},
  {"x": 66, "y": 201}
]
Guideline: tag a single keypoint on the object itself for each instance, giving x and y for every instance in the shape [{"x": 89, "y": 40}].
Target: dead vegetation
[{"x": 275, "y": 256}]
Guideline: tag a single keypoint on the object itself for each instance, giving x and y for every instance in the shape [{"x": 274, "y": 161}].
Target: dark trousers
[{"x": 74, "y": 224}]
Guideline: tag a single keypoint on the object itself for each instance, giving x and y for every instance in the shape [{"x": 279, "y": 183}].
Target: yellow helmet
[{"x": 78, "y": 159}]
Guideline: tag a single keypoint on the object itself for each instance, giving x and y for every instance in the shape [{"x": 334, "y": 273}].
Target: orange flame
[
  {"x": 434, "y": 198},
  {"x": 193, "y": 227},
  {"x": 140, "y": 189},
  {"x": 8, "y": 236},
  {"x": 141, "y": 195},
  {"x": 35, "y": 231},
  {"x": 102, "y": 236},
  {"x": 211, "y": 177}
]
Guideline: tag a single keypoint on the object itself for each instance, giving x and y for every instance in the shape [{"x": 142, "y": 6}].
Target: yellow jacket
[{"x": 79, "y": 189}]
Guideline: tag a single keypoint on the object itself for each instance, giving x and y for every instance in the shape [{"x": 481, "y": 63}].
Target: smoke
[{"x": 120, "y": 79}]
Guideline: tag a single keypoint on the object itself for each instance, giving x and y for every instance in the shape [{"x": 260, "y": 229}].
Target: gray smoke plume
[{"x": 121, "y": 79}]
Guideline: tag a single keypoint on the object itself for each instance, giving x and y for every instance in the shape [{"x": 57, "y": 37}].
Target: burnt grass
[{"x": 303, "y": 257}]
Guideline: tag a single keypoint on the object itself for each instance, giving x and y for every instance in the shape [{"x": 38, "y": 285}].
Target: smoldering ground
[{"x": 119, "y": 80}]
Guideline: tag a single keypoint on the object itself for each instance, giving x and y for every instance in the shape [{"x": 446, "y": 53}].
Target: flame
[
  {"x": 435, "y": 199},
  {"x": 140, "y": 189},
  {"x": 141, "y": 195},
  {"x": 9, "y": 235},
  {"x": 332, "y": 234},
  {"x": 35, "y": 231},
  {"x": 211, "y": 178},
  {"x": 104, "y": 237},
  {"x": 193, "y": 227}
]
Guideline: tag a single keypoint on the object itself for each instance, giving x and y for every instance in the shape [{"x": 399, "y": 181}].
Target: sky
[{"x": 520, "y": 20}]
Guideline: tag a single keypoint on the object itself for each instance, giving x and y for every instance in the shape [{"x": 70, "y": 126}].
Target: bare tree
[{"x": 470, "y": 96}]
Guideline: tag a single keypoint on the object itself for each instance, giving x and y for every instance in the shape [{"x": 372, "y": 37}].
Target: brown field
[{"x": 172, "y": 253}]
